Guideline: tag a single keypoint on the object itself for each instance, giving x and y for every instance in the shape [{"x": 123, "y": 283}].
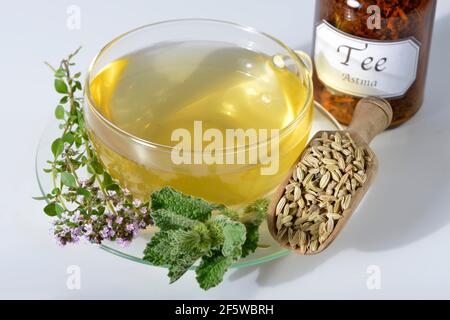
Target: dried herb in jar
[{"x": 372, "y": 48}]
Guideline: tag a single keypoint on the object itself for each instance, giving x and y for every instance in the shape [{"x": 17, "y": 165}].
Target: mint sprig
[{"x": 192, "y": 229}]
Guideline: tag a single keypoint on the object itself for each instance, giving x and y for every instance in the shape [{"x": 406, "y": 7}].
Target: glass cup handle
[{"x": 306, "y": 59}]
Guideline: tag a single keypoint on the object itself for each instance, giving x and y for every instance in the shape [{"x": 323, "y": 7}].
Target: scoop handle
[{"x": 372, "y": 116}]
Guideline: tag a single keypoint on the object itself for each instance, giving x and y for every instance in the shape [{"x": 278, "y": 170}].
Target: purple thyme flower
[
  {"x": 119, "y": 220},
  {"x": 87, "y": 229},
  {"x": 65, "y": 229},
  {"x": 60, "y": 241},
  {"x": 143, "y": 210},
  {"x": 123, "y": 242},
  {"x": 105, "y": 233},
  {"x": 82, "y": 183},
  {"x": 111, "y": 193},
  {"x": 142, "y": 224},
  {"x": 76, "y": 217}
]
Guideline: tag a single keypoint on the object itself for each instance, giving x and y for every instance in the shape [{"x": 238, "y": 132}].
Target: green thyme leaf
[
  {"x": 68, "y": 137},
  {"x": 78, "y": 85},
  {"x": 60, "y": 86},
  {"x": 59, "y": 112},
  {"x": 39, "y": 198},
  {"x": 84, "y": 192},
  {"x": 60, "y": 73},
  {"x": 53, "y": 209},
  {"x": 57, "y": 147},
  {"x": 107, "y": 179},
  {"x": 98, "y": 168},
  {"x": 68, "y": 180}
]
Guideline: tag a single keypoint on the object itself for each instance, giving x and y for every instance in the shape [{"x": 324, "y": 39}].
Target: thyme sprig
[{"x": 96, "y": 208}]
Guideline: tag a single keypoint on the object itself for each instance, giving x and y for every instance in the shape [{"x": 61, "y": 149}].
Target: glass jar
[{"x": 372, "y": 48}]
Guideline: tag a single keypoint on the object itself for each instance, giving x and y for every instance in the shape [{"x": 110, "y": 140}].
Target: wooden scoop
[{"x": 372, "y": 116}]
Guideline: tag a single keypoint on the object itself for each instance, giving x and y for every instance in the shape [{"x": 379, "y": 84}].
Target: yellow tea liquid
[{"x": 154, "y": 91}]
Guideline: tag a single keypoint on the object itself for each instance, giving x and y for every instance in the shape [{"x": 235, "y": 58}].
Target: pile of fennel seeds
[{"x": 321, "y": 188}]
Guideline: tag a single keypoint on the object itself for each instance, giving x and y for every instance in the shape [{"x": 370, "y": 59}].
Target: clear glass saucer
[{"x": 269, "y": 250}]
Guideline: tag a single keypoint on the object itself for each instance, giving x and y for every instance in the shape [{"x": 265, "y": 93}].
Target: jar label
[{"x": 363, "y": 67}]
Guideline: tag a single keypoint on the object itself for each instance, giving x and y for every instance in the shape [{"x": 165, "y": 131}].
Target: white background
[{"x": 402, "y": 226}]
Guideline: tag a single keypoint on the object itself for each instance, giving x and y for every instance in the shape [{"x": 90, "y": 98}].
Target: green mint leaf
[
  {"x": 158, "y": 250},
  {"x": 212, "y": 269},
  {"x": 64, "y": 100},
  {"x": 68, "y": 180},
  {"x": 232, "y": 214},
  {"x": 167, "y": 247},
  {"x": 188, "y": 233},
  {"x": 57, "y": 147},
  {"x": 190, "y": 207},
  {"x": 60, "y": 86},
  {"x": 252, "y": 218},
  {"x": 176, "y": 249},
  {"x": 77, "y": 75},
  {"x": 215, "y": 234},
  {"x": 184, "y": 262},
  {"x": 53, "y": 209},
  {"x": 255, "y": 213},
  {"x": 233, "y": 236},
  {"x": 59, "y": 112},
  {"x": 251, "y": 240},
  {"x": 167, "y": 220}
]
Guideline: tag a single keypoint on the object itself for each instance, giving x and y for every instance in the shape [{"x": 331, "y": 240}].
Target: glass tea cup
[{"x": 144, "y": 165}]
